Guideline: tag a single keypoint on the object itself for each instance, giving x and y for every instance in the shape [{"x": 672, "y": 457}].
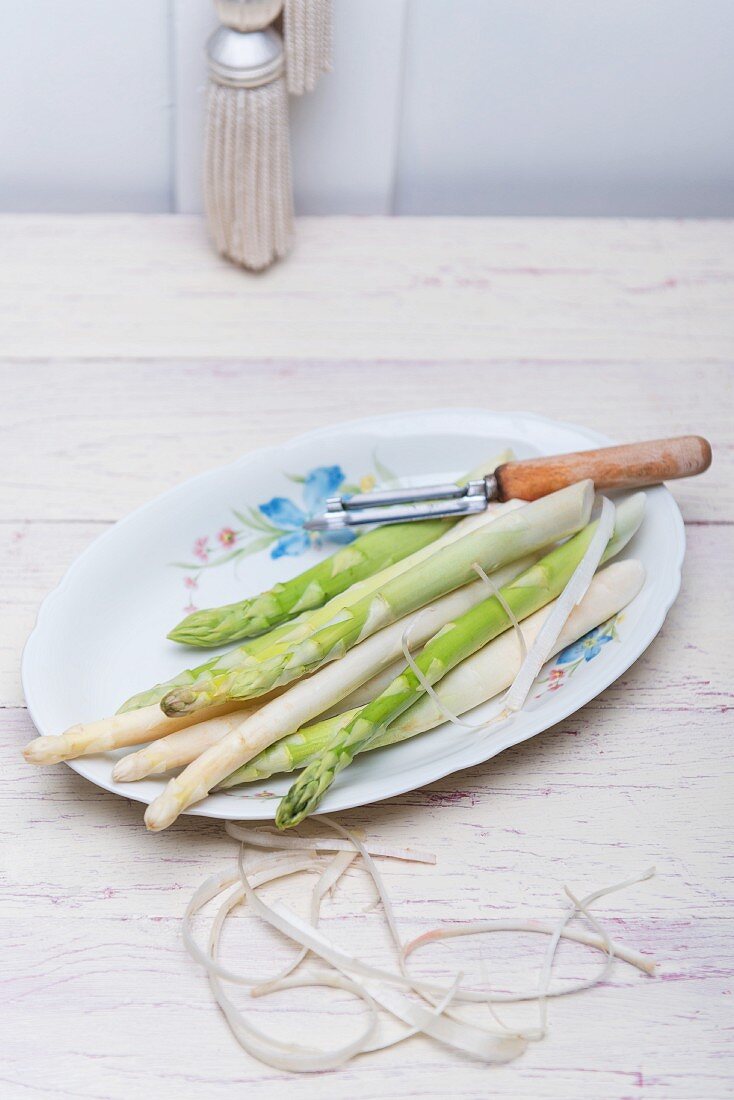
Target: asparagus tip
[
  {"x": 124, "y": 770},
  {"x": 194, "y": 629},
  {"x": 164, "y": 809},
  {"x": 155, "y": 818},
  {"x": 186, "y": 636},
  {"x": 43, "y": 750},
  {"x": 213, "y": 626},
  {"x": 301, "y": 800},
  {"x": 179, "y": 701},
  {"x": 30, "y": 752}
]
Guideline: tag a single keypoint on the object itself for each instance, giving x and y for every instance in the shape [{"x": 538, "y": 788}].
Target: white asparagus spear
[
  {"x": 120, "y": 730},
  {"x": 307, "y": 699},
  {"x": 180, "y": 748},
  {"x": 476, "y": 680},
  {"x": 493, "y": 668},
  {"x": 135, "y": 727},
  {"x": 187, "y": 735}
]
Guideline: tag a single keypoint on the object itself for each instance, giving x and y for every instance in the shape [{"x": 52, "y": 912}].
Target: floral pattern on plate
[
  {"x": 579, "y": 653},
  {"x": 276, "y": 525}
]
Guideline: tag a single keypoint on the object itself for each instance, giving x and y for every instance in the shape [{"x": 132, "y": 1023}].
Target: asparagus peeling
[
  {"x": 455, "y": 642},
  {"x": 512, "y": 535},
  {"x": 473, "y": 682}
]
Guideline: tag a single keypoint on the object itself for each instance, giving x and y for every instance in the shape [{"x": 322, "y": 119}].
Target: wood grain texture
[
  {"x": 99, "y": 998},
  {"x": 504, "y": 291},
  {"x": 627, "y": 466},
  {"x": 117, "y": 434}
]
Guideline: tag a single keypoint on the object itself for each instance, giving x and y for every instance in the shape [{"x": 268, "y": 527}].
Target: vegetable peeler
[{"x": 630, "y": 466}]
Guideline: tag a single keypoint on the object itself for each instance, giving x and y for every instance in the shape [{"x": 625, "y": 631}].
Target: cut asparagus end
[{"x": 628, "y": 518}]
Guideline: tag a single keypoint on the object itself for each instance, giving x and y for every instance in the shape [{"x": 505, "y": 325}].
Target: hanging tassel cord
[
  {"x": 308, "y": 32},
  {"x": 247, "y": 179},
  {"x": 248, "y": 191}
]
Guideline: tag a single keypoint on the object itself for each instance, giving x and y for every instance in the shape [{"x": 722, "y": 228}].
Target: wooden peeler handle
[{"x": 627, "y": 467}]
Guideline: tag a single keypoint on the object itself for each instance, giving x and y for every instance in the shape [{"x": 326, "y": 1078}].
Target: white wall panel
[
  {"x": 344, "y": 134},
  {"x": 568, "y": 107},
  {"x": 84, "y": 105},
  {"x": 446, "y": 106},
  {"x": 192, "y": 23}
]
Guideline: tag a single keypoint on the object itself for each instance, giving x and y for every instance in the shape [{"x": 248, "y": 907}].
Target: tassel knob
[
  {"x": 245, "y": 59},
  {"x": 248, "y": 15}
]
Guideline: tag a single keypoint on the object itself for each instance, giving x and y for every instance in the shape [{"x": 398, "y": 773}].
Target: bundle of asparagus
[
  {"x": 328, "y": 644},
  {"x": 474, "y": 681}
]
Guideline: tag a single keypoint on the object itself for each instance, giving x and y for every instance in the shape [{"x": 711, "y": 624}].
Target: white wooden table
[{"x": 133, "y": 359}]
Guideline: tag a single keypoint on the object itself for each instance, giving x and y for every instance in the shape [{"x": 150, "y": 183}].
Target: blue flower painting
[
  {"x": 277, "y": 525},
  {"x": 578, "y": 653},
  {"x": 289, "y": 518},
  {"x": 585, "y": 648}
]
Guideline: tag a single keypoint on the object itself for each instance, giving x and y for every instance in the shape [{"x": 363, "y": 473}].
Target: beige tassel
[
  {"x": 247, "y": 173},
  {"x": 307, "y": 26}
]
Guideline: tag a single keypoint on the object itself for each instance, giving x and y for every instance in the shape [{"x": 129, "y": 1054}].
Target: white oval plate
[{"x": 100, "y": 636}]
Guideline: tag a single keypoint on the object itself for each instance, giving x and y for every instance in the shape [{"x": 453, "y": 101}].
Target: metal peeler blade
[{"x": 404, "y": 505}]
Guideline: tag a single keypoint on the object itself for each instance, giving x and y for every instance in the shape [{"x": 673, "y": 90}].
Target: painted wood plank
[
  {"x": 584, "y": 292},
  {"x": 86, "y": 117},
  {"x": 173, "y": 419},
  {"x": 344, "y": 134}
]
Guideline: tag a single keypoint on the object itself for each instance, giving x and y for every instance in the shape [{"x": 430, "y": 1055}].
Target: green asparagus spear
[
  {"x": 293, "y": 752},
  {"x": 532, "y": 590},
  {"x": 281, "y": 638},
  {"x": 304, "y": 624},
  {"x": 512, "y": 535},
  {"x": 480, "y": 677},
  {"x": 244, "y": 653},
  {"x": 366, "y": 555}
]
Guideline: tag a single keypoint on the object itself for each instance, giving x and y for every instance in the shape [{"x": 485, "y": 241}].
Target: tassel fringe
[
  {"x": 247, "y": 173},
  {"x": 308, "y": 42}
]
